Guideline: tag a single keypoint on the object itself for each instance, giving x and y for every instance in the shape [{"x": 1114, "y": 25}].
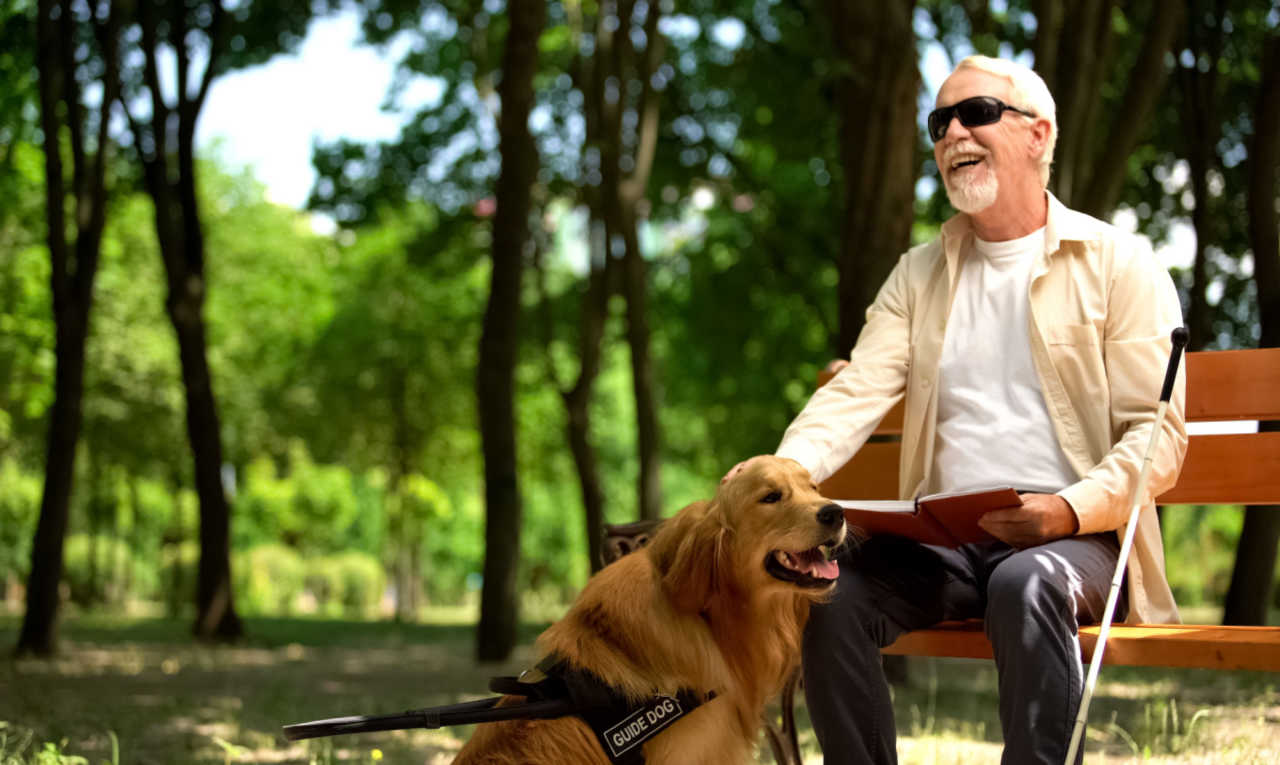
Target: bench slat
[
  {"x": 1142, "y": 645},
  {"x": 1229, "y": 469},
  {"x": 871, "y": 474},
  {"x": 1233, "y": 385}
]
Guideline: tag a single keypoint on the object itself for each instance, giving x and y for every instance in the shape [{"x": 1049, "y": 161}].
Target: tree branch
[
  {"x": 1146, "y": 86},
  {"x": 151, "y": 75},
  {"x": 1049, "y": 15},
  {"x": 632, "y": 189},
  {"x": 75, "y": 110},
  {"x": 106, "y": 33},
  {"x": 178, "y": 41},
  {"x": 51, "y": 89},
  {"x": 217, "y": 39}
]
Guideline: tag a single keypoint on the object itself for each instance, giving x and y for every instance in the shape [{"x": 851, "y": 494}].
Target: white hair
[{"x": 1027, "y": 91}]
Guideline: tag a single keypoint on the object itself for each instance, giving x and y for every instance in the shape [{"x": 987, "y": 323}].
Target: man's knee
[
  {"x": 850, "y": 607},
  {"x": 1026, "y": 583}
]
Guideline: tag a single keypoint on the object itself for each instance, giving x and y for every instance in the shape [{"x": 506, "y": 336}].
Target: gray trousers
[{"x": 1032, "y": 602}]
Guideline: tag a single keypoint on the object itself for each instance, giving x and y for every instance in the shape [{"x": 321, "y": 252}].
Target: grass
[{"x": 138, "y": 691}]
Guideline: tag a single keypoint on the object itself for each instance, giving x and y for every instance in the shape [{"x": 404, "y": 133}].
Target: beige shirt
[{"x": 1102, "y": 310}]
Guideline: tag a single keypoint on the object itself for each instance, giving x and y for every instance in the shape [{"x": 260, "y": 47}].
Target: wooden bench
[
  {"x": 1238, "y": 468},
  {"x": 1219, "y": 469}
]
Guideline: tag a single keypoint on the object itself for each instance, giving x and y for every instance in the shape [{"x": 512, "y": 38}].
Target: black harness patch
[
  {"x": 639, "y": 726},
  {"x": 620, "y": 724},
  {"x": 552, "y": 689}
]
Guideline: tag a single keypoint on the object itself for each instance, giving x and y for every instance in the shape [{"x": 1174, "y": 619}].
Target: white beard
[
  {"x": 967, "y": 193},
  {"x": 973, "y": 196}
]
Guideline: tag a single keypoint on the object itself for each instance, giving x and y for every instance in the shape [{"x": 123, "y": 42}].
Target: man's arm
[{"x": 1142, "y": 312}]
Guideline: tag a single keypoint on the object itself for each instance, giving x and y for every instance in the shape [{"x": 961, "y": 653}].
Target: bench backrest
[{"x": 1237, "y": 468}]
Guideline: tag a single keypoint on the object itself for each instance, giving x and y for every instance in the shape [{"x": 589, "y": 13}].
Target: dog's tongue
[{"x": 814, "y": 563}]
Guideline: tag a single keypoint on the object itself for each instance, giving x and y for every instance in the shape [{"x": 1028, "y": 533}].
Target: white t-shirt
[{"x": 993, "y": 426}]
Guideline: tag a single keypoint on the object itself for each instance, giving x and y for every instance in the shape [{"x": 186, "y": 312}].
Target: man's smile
[{"x": 964, "y": 160}]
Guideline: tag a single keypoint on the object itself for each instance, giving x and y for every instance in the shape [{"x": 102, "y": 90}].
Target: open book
[{"x": 948, "y": 519}]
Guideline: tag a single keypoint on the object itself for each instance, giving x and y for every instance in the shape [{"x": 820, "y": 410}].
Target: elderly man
[{"x": 1030, "y": 342}]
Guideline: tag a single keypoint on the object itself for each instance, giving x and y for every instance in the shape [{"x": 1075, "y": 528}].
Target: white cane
[{"x": 1171, "y": 373}]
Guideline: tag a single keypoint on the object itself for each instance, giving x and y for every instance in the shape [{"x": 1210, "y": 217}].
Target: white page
[{"x": 904, "y": 506}]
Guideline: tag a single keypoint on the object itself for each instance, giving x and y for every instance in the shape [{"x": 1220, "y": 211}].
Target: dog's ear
[{"x": 690, "y": 555}]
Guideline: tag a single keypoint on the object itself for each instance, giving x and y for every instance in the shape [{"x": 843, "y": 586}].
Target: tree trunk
[
  {"x": 593, "y": 312},
  {"x": 1200, "y": 155},
  {"x": 1253, "y": 576},
  {"x": 404, "y": 528},
  {"x": 39, "y": 625},
  {"x": 1202, "y": 122},
  {"x": 1050, "y": 16},
  {"x": 1091, "y": 161},
  {"x": 71, "y": 282},
  {"x": 877, "y": 45},
  {"x": 643, "y": 384},
  {"x": 1080, "y": 70},
  {"x": 216, "y": 617},
  {"x": 495, "y": 385},
  {"x": 1264, "y": 177},
  {"x": 577, "y": 399},
  {"x": 1146, "y": 84},
  {"x": 584, "y": 459},
  {"x": 617, "y": 60},
  {"x": 181, "y": 239}
]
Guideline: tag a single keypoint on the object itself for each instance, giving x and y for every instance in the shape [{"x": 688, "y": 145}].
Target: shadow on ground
[{"x": 169, "y": 701}]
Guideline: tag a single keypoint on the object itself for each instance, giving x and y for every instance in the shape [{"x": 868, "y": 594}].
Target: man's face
[{"x": 974, "y": 161}]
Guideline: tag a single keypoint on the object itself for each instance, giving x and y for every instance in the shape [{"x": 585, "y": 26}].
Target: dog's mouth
[{"x": 812, "y": 568}]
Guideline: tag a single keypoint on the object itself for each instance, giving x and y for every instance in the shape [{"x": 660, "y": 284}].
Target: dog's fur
[{"x": 696, "y": 609}]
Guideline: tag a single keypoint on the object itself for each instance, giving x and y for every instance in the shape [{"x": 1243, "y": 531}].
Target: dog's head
[{"x": 766, "y": 529}]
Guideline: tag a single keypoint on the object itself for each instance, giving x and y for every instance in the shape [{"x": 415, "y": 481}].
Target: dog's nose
[{"x": 831, "y": 515}]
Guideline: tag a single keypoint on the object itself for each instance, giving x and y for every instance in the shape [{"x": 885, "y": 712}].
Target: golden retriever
[{"x": 716, "y": 603}]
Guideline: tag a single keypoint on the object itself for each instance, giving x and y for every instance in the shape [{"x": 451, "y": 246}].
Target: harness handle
[{"x": 466, "y": 713}]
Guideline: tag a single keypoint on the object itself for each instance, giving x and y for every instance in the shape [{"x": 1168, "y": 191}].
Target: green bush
[
  {"x": 347, "y": 584},
  {"x": 1200, "y": 549},
  {"x": 268, "y": 580},
  {"x": 103, "y": 570},
  {"x": 179, "y": 563},
  {"x": 362, "y": 582},
  {"x": 19, "y": 508},
  {"x": 308, "y": 506}
]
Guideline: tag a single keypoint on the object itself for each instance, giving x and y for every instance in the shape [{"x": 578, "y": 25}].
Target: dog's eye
[{"x": 771, "y": 497}]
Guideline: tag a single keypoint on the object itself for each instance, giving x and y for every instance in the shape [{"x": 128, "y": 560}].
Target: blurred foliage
[
  {"x": 311, "y": 508},
  {"x": 178, "y": 576},
  {"x": 19, "y": 508},
  {"x": 269, "y": 579},
  {"x": 1200, "y": 545},
  {"x": 353, "y": 584},
  {"x": 101, "y": 571}
]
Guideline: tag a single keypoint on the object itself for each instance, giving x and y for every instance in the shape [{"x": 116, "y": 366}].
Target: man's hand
[
  {"x": 1042, "y": 518},
  {"x": 741, "y": 466}
]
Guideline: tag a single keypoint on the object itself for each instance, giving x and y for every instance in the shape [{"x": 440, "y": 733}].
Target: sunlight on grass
[{"x": 171, "y": 702}]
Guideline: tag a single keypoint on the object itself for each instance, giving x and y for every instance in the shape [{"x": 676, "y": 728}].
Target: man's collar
[{"x": 1060, "y": 225}]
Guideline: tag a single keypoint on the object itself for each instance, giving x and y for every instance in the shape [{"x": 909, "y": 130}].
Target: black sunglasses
[{"x": 979, "y": 110}]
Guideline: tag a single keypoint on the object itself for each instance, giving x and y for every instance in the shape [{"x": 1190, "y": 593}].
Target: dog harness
[
  {"x": 552, "y": 689},
  {"x": 622, "y": 725}
]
